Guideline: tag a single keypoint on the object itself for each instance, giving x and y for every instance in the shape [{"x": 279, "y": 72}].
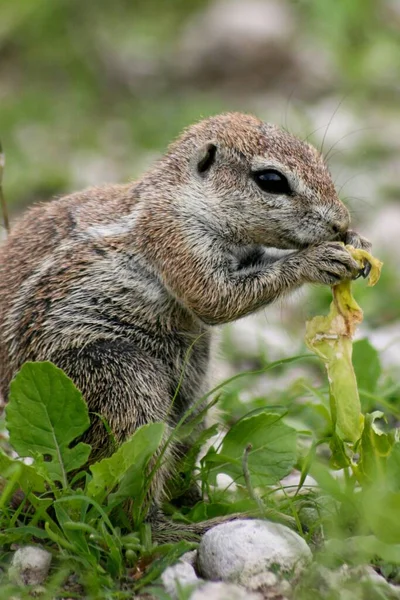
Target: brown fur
[{"x": 114, "y": 284}]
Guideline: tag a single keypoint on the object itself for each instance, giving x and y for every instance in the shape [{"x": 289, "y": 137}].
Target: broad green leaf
[
  {"x": 339, "y": 458},
  {"x": 330, "y": 338},
  {"x": 45, "y": 414},
  {"x": 126, "y": 467},
  {"x": 366, "y": 365},
  {"x": 273, "y": 452},
  {"x": 28, "y": 479},
  {"x": 375, "y": 448}
]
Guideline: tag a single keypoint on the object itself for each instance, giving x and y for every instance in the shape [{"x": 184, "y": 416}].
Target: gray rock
[
  {"x": 30, "y": 566},
  {"x": 177, "y": 577},
  {"x": 223, "y": 591},
  {"x": 254, "y": 553}
]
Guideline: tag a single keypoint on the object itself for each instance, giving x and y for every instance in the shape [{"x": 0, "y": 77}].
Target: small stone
[
  {"x": 254, "y": 553},
  {"x": 223, "y": 591},
  {"x": 30, "y": 566},
  {"x": 177, "y": 577}
]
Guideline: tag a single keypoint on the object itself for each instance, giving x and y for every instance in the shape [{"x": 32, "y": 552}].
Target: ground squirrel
[{"x": 113, "y": 284}]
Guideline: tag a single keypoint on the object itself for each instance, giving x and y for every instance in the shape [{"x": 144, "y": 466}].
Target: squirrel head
[{"x": 254, "y": 183}]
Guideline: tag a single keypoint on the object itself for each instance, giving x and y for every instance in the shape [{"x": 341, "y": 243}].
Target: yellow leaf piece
[
  {"x": 362, "y": 256},
  {"x": 331, "y": 338}
]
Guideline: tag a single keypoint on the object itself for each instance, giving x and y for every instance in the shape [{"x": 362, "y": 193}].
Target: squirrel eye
[{"x": 272, "y": 181}]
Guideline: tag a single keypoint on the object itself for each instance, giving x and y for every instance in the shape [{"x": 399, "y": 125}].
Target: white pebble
[
  {"x": 177, "y": 577},
  {"x": 30, "y": 566}
]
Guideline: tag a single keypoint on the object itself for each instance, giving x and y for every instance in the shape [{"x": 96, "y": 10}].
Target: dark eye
[{"x": 272, "y": 181}]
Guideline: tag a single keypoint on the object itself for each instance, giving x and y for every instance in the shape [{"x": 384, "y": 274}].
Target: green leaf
[
  {"x": 126, "y": 467},
  {"x": 273, "y": 452},
  {"x": 330, "y": 337},
  {"x": 45, "y": 414},
  {"x": 339, "y": 458},
  {"x": 25, "y": 530},
  {"x": 366, "y": 365},
  {"x": 375, "y": 448},
  {"x": 28, "y": 479}
]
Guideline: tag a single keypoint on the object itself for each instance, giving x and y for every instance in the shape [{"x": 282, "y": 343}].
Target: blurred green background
[{"x": 92, "y": 91}]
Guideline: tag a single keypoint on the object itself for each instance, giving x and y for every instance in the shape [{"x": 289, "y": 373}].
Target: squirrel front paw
[{"x": 329, "y": 263}]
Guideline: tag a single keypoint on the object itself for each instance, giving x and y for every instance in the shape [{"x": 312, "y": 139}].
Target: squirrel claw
[{"x": 364, "y": 271}]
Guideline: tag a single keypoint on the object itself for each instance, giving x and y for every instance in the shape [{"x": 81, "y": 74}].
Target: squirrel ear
[{"x": 206, "y": 157}]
